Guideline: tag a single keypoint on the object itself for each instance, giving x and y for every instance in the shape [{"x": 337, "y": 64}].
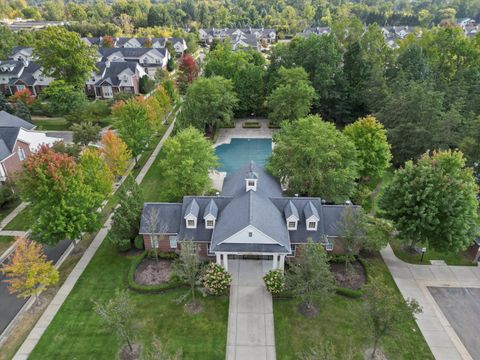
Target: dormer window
[
  {"x": 191, "y": 215},
  {"x": 292, "y": 225},
  {"x": 191, "y": 224},
  {"x": 312, "y": 226},
  {"x": 210, "y": 224},
  {"x": 251, "y": 183}
]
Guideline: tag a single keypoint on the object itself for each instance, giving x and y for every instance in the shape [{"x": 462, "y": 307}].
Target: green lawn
[
  {"x": 54, "y": 123},
  {"x": 77, "y": 332},
  {"x": 22, "y": 221},
  {"x": 450, "y": 258},
  {"x": 5, "y": 242},
  {"x": 342, "y": 322}
]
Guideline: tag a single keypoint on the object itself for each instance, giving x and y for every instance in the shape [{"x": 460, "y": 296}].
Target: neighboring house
[
  {"x": 314, "y": 31},
  {"x": 9, "y": 69},
  {"x": 18, "y": 140},
  {"x": 178, "y": 44},
  {"x": 28, "y": 24},
  {"x": 30, "y": 77},
  {"x": 149, "y": 58},
  {"x": 240, "y": 37},
  {"x": 21, "y": 53},
  {"x": 250, "y": 218},
  {"x": 115, "y": 77}
]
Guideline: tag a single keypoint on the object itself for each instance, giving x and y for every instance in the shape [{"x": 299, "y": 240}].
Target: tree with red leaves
[
  {"x": 107, "y": 41},
  {"x": 62, "y": 204},
  {"x": 187, "y": 72},
  {"x": 24, "y": 95}
]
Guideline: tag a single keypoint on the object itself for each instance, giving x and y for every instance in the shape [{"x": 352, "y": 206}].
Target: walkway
[
  {"x": 413, "y": 282},
  {"x": 250, "y": 318},
  {"x": 55, "y": 305},
  {"x": 225, "y": 134}
]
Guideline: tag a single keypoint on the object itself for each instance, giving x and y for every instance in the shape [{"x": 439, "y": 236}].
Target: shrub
[
  {"x": 163, "y": 255},
  {"x": 138, "y": 242},
  {"x": 251, "y": 125},
  {"x": 274, "y": 281},
  {"x": 121, "y": 243},
  {"x": 216, "y": 279},
  {"x": 146, "y": 84},
  {"x": 6, "y": 195}
]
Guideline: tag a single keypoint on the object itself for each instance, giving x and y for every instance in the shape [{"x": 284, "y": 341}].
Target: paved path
[
  {"x": 55, "y": 305},
  {"x": 14, "y": 213},
  {"x": 13, "y": 233},
  {"x": 413, "y": 282},
  {"x": 226, "y": 134},
  {"x": 251, "y": 333}
]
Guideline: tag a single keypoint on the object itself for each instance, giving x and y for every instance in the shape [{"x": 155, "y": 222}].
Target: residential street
[{"x": 10, "y": 305}]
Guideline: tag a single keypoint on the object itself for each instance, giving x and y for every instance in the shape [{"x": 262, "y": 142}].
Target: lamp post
[{"x": 424, "y": 250}]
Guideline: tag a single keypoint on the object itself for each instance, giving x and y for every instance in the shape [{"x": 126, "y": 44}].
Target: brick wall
[{"x": 164, "y": 245}]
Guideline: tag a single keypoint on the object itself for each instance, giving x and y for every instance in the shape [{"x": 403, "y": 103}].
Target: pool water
[{"x": 241, "y": 151}]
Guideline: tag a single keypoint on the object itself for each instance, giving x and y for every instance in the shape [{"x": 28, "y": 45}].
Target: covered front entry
[{"x": 277, "y": 260}]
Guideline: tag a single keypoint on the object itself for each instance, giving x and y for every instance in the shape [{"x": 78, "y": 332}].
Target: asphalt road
[
  {"x": 10, "y": 305},
  {"x": 461, "y": 307}
]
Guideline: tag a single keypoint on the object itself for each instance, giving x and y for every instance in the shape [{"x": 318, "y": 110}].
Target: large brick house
[
  {"x": 249, "y": 218},
  {"x": 18, "y": 140}
]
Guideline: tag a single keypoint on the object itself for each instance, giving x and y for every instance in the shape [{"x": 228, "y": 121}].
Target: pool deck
[{"x": 238, "y": 132}]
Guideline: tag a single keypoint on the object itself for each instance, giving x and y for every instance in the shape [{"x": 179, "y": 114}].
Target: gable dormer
[
  {"x": 311, "y": 216},
  {"x": 251, "y": 179},
  {"x": 210, "y": 214},
  {"x": 191, "y": 215},
  {"x": 291, "y": 215}
]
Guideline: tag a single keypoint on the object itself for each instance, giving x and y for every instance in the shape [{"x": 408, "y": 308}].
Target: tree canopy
[
  {"x": 433, "y": 201},
  {"x": 314, "y": 159}
]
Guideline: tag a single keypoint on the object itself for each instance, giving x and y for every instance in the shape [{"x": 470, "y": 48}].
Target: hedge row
[
  {"x": 148, "y": 288},
  {"x": 251, "y": 125}
]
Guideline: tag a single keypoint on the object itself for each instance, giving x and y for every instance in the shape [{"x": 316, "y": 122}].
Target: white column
[
  {"x": 219, "y": 259},
  {"x": 275, "y": 262},
  {"x": 282, "y": 262},
  {"x": 225, "y": 261}
]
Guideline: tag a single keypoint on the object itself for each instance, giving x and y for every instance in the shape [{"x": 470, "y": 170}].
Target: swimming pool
[{"x": 240, "y": 151}]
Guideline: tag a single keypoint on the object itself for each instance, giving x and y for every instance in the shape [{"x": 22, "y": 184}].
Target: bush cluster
[
  {"x": 251, "y": 125},
  {"x": 274, "y": 281},
  {"x": 216, "y": 279}
]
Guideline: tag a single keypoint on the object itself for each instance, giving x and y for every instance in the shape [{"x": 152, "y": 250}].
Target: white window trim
[
  {"x": 21, "y": 154},
  {"x": 290, "y": 226},
  {"x": 173, "y": 241},
  {"x": 188, "y": 226},
  {"x": 154, "y": 241},
  {"x": 310, "y": 222},
  {"x": 209, "y": 226}
]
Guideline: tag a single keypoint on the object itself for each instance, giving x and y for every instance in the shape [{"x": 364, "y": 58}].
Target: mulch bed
[
  {"x": 307, "y": 311},
  {"x": 194, "y": 307},
  {"x": 153, "y": 272},
  {"x": 354, "y": 282}
]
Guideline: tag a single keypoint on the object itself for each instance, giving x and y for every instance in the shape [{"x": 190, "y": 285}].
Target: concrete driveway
[
  {"x": 251, "y": 333},
  {"x": 461, "y": 307}
]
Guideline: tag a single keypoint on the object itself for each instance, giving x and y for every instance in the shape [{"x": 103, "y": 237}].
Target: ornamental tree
[
  {"x": 133, "y": 125},
  {"x": 64, "y": 56},
  {"x": 188, "y": 266},
  {"x": 85, "y": 133},
  {"x": 328, "y": 155},
  {"x": 187, "y": 158},
  {"x": 384, "y": 308},
  {"x": 373, "y": 149},
  {"x": 63, "y": 205},
  {"x": 210, "y": 102},
  {"x": 309, "y": 278},
  {"x": 187, "y": 72},
  {"x": 28, "y": 272},
  {"x": 96, "y": 172},
  {"x": 433, "y": 201},
  {"x": 116, "y": 153}
]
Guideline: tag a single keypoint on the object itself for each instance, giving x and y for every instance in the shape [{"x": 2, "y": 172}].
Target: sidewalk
[
  {"x": 55, "y": 305},
  {"x": 14, "y": 213},
  {"x": 413, "y": 280},
  {"x": 251, "y": 333}
]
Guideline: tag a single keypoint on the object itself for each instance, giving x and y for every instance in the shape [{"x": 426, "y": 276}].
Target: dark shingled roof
[
  {"x": 192, "y": 208},
  {"x": 9, "y": 120},
  {"x": 290, "y": 210},
  {"x": 8, "y": 137},
  {"x": 168, "y": 216},
  {"x": 310, "y": 210},
  {"x": 234, "y": 184},
  {"x": 211, "y": 209}
]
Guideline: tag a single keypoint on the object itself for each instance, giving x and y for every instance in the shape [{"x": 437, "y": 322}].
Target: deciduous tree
[
  {"x": 96, "y": 173},
  {"x": 309, "y": 278},
  {"x": 28, "y": 272},
  {"x": 188, "y": 266},
  {"x": 63, "y": 98},
  {"x": 133, "y": 125},
  {"x": 187, "y": 158},
  {"x": 64, "y": 56},
  {"x": 85, "y": 132},
  {"x": 187, "y": 72},
  {"x": 63, "y": 205},
  {"x": 210, "y": 102},
  {"x": 22, "y": 111},
  {"x": 313, "y": 158},
  {"x": 433, "y": 201},
  {"x": 116, "y": 153}
]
